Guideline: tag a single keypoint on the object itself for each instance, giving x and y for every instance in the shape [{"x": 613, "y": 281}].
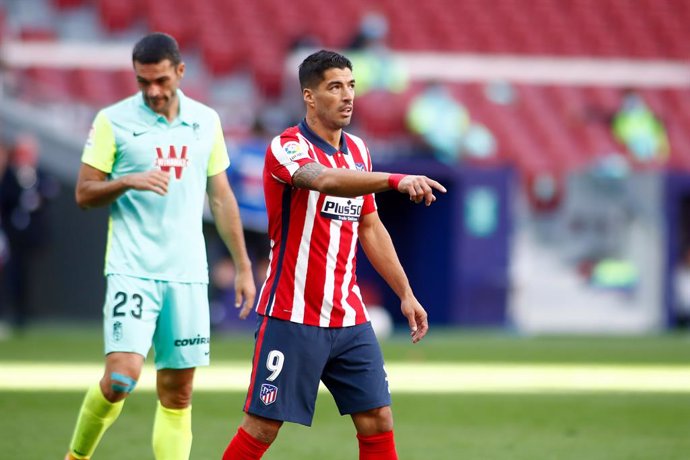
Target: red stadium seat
[
  {"x": 124, "y": 83},
  {"x": 64, "y": 4},
  {"x": 93, "y": 87},
  {"x": 221, "y": 54},
  {"x": 3, "y": 24},
  {"x": 37, "y": 33},
  {"x": 117, "y": 15},
  {"x": 45, "y": 85},
  {"x": 545, "y": 129},
  {"x": 381, "y": 114}
]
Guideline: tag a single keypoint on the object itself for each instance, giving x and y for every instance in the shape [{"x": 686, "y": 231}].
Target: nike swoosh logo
[{"x": 137, "y": 134}]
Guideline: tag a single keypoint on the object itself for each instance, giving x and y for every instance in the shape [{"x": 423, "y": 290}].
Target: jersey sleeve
[
  {"x": 369, "y": 205},
  {"x": 285, "y": 156},
  {"x": 219, "y": 160},
  {"x": 100, "y": 147}
]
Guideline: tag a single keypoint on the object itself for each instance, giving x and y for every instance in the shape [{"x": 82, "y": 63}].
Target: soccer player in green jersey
[{"x": 151, "y": 157}]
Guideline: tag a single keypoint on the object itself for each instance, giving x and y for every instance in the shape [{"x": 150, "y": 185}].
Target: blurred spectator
[
  {"x": 500, "y": 92},
  {"x": 372, "y": 28},
  {"x": 246, "y": 177},
  {"x": 4, "y": 244},
  {"x": 222, "y": 291},
  {"x": 374, "y": 65},
  {"x": 305, "y": 43},
  {"x": 478, "y": 142},
  {"x": 445, "y": 126},
  {"x": 637, "y": 127},
  {"x": 222, "y": 280},
  {"x": 25, "y": 190},
  {"x": 615, "y": 274},
  {"x": 546, "y": 189}
]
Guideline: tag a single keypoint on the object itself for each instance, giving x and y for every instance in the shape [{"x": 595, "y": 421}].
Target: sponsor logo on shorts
[
  {"x": 268, "y": 393},
  {"x": 198, "y": 340},
  {"x": 117, "y": 331},
  {"x": 359, "y": 166},
  {"x": 348, "y": 209}
]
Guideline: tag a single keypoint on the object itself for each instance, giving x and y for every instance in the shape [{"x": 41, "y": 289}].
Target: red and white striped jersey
[{"x": 311, "y": 276}]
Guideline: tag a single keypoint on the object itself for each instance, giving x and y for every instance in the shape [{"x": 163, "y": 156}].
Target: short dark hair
[
  {"x": 311, "y": 70},
  {"x": 155, "y": 48}
]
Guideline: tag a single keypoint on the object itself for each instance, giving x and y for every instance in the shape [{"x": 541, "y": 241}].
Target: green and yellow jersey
[{"x": 152, "y": 236}]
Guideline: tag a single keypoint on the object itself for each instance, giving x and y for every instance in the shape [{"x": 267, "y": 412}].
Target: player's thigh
[
  {"x": 182, "y": 338},
  {"x": 287, "y": 365},
  {"x": 130, "y": 313},
  {"x": 355, "y": 373}
]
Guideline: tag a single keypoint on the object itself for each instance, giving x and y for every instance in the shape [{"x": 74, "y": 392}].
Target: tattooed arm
[
  {"x": 339, "y": 182},
  {"x": 348, "y": 183}
]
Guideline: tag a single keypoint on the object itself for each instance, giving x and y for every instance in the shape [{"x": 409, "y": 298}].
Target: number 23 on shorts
[{"x": 127, "y": 304}]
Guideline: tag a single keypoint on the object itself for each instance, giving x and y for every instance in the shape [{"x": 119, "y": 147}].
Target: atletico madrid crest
[{"x": 268, "y": 394}]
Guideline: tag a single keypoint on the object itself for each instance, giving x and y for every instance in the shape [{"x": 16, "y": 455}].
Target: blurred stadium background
[{"x": 559, "y": 127}]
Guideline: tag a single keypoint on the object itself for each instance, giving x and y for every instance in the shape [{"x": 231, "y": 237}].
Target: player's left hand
[
  {"x": 245, "y": 292},
  {"x": 420, "y": 188},
  {"x": 416, "y": 318}
]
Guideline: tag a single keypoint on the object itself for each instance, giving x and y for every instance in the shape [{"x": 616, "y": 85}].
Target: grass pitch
[{"x": 626, "y": 421}]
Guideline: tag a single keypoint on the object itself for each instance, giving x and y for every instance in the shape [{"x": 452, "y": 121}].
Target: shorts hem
[
  {"x": 160, "y": 366},
  {"x": 303, "y": 422},
  {"x": 365, "y": 407},
  {"x": 107, "y": 352}
]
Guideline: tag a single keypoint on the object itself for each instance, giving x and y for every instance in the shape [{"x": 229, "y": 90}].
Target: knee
[
  {"x": 175, "y": 393},
  {"x": 263, "y": 429},
  {"x": 374, "y": 421},
  {"x": 116, "y": 386}
]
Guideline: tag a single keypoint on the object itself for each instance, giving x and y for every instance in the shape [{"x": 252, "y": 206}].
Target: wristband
[{"x": 394, "y": 180}]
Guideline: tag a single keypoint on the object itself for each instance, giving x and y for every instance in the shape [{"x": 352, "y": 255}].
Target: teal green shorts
[{"x": 174, "y": 317}]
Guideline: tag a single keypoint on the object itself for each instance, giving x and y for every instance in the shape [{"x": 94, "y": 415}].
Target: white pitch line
[{"x": 403, "y": 377}]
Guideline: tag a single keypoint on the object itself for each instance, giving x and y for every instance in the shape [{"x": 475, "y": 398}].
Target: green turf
[
  {"x": 37, "y": 425},
  {"x": 606, "y": 427}
]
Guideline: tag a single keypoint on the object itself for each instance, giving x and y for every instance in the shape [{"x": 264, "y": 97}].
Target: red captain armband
[{"x": 394, "y": 180}]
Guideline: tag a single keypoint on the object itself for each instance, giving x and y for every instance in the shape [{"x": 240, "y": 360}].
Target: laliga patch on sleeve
[
  {"x": 295, "y": 151},
  {"x": 90, "y": 138}
]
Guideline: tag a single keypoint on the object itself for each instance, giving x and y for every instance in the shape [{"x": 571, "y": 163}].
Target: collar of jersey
[
  {"x": 183, "y": 116},
  {"x": 319, "y": 142}
]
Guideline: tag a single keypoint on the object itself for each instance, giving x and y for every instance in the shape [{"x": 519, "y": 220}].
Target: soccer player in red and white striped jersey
[
  {"x": 313, "y": 325},
  {"x": 314, "y": 235}
]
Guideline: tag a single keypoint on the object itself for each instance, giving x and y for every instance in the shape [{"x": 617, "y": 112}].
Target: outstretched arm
[
  {"x": 379, "y": 249},
  {"x": 94, "y": 189},
  {"x": 348, "y": 183},
  {"x": 227, "y": 217}
]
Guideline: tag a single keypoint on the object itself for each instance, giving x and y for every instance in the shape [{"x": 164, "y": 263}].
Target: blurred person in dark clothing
[
  {"x": 25, "y": 190},
  {"x": 378, "y": 68}
]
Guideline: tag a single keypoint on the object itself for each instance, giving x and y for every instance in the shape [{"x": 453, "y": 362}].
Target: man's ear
[{"x": 308, "y": 96}]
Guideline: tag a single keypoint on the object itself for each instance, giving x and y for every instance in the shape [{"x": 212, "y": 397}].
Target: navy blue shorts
[{"x": 290, "y": 359}]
